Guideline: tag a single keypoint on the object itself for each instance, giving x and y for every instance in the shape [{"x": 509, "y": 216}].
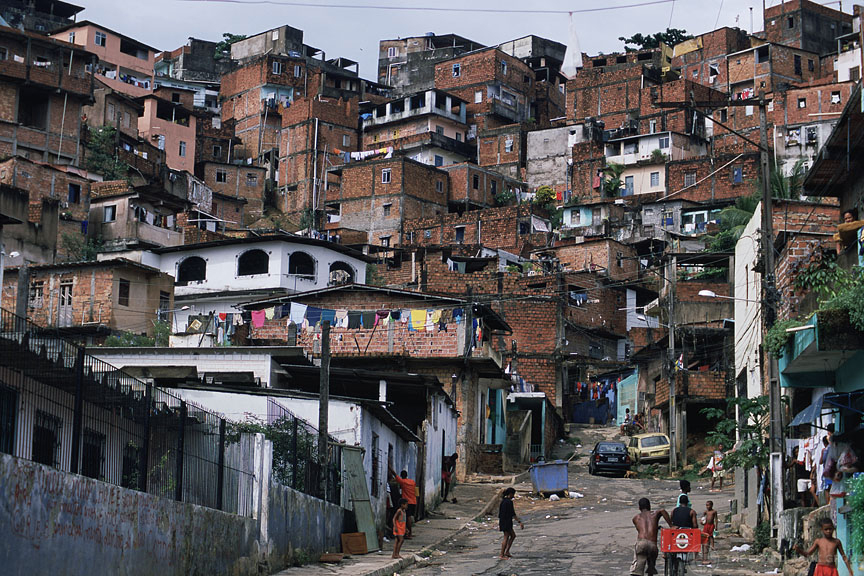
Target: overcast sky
[{"x": 354, "y": 33}]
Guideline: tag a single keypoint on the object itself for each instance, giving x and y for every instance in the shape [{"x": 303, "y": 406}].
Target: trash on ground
[
  {"x": 742, "y": 548},
  {"x": 554, "y": 498},
  {"x": 576, "y": 495}
]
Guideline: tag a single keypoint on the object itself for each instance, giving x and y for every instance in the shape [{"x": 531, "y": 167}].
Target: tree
[
  {"x": 786, "y": 187},
  {"x": 223, "y": 48},
  {"x": 670, "y": 37},
  {"x": 751, "y": 426},
  {"x": 612, "y": 182},
  {"x": 733, "y": 219},
  {"x": 102, "y": 154}
]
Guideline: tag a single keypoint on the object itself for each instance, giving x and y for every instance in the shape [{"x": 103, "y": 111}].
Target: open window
[
  {"x": 253, "y": 262},
  {"x": 341, "y": 273},
  {"x": 192, "y": 269},
  {"x": 33, "y": 109},
  {"x": 302, "y": 264}
]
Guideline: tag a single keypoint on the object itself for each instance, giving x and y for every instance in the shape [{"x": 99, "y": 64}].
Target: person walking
[
  {"x": 506, "y": 515},
  {"x": 409, "y": 494},
  {"x": 448, "y": 471},
  {"x": 647, "y": 525}
]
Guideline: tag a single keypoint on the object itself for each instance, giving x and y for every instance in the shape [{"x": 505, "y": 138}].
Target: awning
[
  {"x": 831, "y": 401},
  {"x": 809, "y": 414}
]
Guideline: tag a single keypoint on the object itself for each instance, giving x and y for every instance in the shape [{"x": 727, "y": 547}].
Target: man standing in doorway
[
  {"x": 448, "y": 470},
  {"x": 409, "y": 493}
]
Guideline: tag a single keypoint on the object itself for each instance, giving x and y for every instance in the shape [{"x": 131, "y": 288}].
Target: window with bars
[
  {"x": 93, "y": 454},
  {"x": 46, "y": 439},
  {"x": 376, "y": 466},
  {"x": 8, "y": 414}
]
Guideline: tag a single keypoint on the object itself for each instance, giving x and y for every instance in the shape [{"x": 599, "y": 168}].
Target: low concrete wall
[
  {"x": 53, "y": 522},
  {"x": 298, "y": 522}
]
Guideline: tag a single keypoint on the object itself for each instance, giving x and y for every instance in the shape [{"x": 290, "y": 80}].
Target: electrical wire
[{"x": 435, "y": 8}]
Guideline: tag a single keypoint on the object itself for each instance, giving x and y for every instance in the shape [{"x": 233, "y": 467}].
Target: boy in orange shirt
[{"x": 409, "y": 493}]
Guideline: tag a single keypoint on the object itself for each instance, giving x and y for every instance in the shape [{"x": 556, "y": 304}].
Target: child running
[
  {"x": 828, "y": 547},
  {"x": 506, "y": 515},
  {"x": 709, "y": 524},
  {"x": 399, "y": 527}
]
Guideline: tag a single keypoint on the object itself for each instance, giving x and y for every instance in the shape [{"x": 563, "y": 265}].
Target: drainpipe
[{"x": 314, "y": 172}]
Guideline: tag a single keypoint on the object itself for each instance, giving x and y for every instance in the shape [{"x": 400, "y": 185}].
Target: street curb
[{"x": 405, "y": 562}]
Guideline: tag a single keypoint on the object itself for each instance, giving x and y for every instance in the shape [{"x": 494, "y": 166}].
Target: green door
[{"x": 355, "y": 480}]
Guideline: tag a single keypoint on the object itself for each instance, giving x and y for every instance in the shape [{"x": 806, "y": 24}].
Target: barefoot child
[
  {"x": 506, "y": 515},
  {"x": 828, "y": 547},
  {"x": 399, "y": 527},
  {"x": 709, "y": 524}
]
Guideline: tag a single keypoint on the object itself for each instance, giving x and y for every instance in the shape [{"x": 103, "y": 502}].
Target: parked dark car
[{"x": 609, "y": 457}]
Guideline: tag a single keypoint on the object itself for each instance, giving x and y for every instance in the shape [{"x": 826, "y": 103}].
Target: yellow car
[{"x": 649, "y": 447}]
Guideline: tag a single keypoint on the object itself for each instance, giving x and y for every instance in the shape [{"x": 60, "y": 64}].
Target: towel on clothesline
[
  {"x": 418, "y": 319},
  {"x": 368, "y": 319},
  {"x": 313, "y": 315},
  {"x": 354, "y": 320},
  {"x": 298, "y": 312},
  {"x": 270, "y": 313},
  {"x": 258, "y": 318},
  {"x": 328, "y": 316}
]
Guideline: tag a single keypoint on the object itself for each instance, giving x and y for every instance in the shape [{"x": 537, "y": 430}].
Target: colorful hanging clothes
[
  {"x": 258, "y": 318},
  {"x": 283, "y": 311},
  {"x": 458, "y": 313},
  {"x": 341, "y": 318},
  {"x": 418, "y": 319},
  {"x": 313, "y": 314},
  {"x": 396, "y": 315},
  {"x": 269, "y": 313},
  {"x": 329, "y": 316},
  {"x": 432, "y": 317},
  {"x": 223, "y": 316},
  {"x": 238, "y": 320},
  {"x": 354, "y": 320},
  {"x": 298, "y": 312},
  {"x": 382, "y": 317},
  {"x": 368, "y": 319}
]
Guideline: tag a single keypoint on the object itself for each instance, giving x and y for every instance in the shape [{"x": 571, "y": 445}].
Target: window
[
  {"x": 504, "y": 68},
  {"x": 690, "y": 178},
  {"x": 341, "y": 273},
  {"x": 127, "y": 119},
  {"x": 387, "y": 208},
  {"x": 109, "y": 213},
  {"x": 439, "y": 130},
  {"x": 459, "y": 234},
  {"x": 74, "y": 196},
  {"x": 713, "y": 70},
  {"x": 297, "y": 71},
  {"x": 392, "y": 52},
  {"x": 655, "y": 179},
  {"x": 748, "y": 110},
  {"x": 385, "y": 241},
  {"x": 798, "y": 64},
  {"x": 802, "y": 102},
  {"x": 191, "y": 269},
  {"x": 71, "y": 37},
  {"x": 100, "y": 39},
  {"x": 475, "y": 182},
  {"x": 494, "y": 188},
  {"x": 93, "y": 454},
  {"x": 254, "y": 262},
  {"x": 274, "y": 35},
  {"x": 663, "y": 142},
  {"x": 111, "y": 112},
  {"x": 175, "y": 97},
  {"x": 652, "y": 126},
  {"x": 810, "y": 65},
  {"x": 8, "y": 413},
  {"x": 457, "y": 70},
  {"x": 737, "y": 174},
  {"x": 46, "y": 439},
  {"x": 182, "y": 149},
  {"x": 695, "y": 73},
  {"x": 251, "y": 179},
  {"x": 217, "y": 151},
  {"x": 458, "y": 136},
  {"x": 855, "y": 73},
  {"x": 33, "y": 109},
  {"x": 835, "y": 97},
  {"x": 619, "y": 259},
  {"x": 790, "y": 22},
  {"x": 439, "y": 186},
  {"x": 123, "y": 287},
  {"x": 724, "y": 114},
  {"x": 385, "y": 176},
  {"x": 478, "y": 97},
  {"x": 301, "y": 264},
  {"x": 346, "y": 140},
  {"x": 221, "y": 176},
  {"x": 37, "y": 293},
  {"x": 439, "y": 160},
  {"x": 508, "y": 145}
]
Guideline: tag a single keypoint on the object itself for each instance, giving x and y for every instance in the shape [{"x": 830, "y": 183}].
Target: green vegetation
[
  {"x": 546, "y": 197},
  {"x": 658, "y": 157},
  {"x": 102, "y": 154},
  {"x": 223, "y": 48},
  {"x": 761, "y": 537},
  {"x": 855, "y": 500},
  {"x": 733, "y": 219},
  {"x": 776, "y": 338},
  {"x": 504, "y": 198},
  {"x": 612, "y": 183},
  {"x": 752, "y": 450},
  {"x": 76, "y": 248},
  {"x": 670, "y": 37},
  {"x": 373, "y": 276}
]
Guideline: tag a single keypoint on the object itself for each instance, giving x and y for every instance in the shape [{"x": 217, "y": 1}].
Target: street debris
[
  {"x": 554, "y": 498},
  {"x": 741, "y": 548}
]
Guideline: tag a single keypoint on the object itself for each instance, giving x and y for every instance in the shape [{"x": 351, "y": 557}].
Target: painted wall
[
  {"x": 52, "y": 522},
  {"x": 748, "y": 323},
  {"x": 627, "y": 396},
  {"x": 440, "y": 440}
]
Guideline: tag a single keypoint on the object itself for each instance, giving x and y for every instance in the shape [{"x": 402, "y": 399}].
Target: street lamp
[{"x": 712, "y": 294}]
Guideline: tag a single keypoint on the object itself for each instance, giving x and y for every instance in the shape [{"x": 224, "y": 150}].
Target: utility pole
[
  {"x": 671, "y": 278},
  {"x": 769, "y": 364},
  {"x": 323, "y": 407}
]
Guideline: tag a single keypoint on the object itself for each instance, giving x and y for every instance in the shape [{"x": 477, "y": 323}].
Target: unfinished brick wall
[
  {"x": 589, "y": 160},
  {"x": 238, "y": 181},
  {"x": 503, "y": 150},
  {"x": 608, "y": 258},
  {"x": 821, "y": 98},
  {"x": 713, "y": 179}
]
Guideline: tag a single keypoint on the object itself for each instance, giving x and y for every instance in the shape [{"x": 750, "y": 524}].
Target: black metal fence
[
  {"x": 62, "y": 407},
  {"x": 295, "y": 455}
]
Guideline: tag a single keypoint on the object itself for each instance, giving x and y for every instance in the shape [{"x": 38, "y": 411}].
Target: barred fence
[
  {"x": 295, "y": 455},
  {"x": 64, "y": 408}
]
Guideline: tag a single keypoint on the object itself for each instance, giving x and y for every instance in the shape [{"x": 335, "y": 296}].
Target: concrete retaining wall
[
  {"x": 298, "y": 522},
  {"x": 52, "y": 522}
]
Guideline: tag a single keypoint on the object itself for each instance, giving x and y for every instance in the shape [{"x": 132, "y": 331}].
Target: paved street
[{"x": 585, "y": 536}]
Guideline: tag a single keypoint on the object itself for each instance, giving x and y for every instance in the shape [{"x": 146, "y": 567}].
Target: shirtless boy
[
  {"x": 647, "y": 524},
  {"x": 709, "y": 524},
  {"x": 828, "y": 547}
]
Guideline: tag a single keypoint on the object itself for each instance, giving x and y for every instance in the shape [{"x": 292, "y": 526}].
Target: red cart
[{"x": 677, "y": 544}]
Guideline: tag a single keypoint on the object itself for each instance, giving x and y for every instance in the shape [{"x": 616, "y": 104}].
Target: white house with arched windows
[{"x": 212, "y": 277}]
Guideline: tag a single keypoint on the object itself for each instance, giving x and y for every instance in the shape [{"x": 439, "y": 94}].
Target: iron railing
[
  {"x": 295, "y": 455},
  {"x": 62, "y": 407}
]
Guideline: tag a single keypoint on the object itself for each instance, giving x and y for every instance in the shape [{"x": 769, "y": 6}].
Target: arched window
[
  {"x": 301, "y": 264},
  {"x": 191, "y": 269},
  {"x": 253, "y": 262},
  {"x": 341, "y": 273}
]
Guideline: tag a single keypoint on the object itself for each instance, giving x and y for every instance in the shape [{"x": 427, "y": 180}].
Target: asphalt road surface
[{"x": 591, "y": 535}]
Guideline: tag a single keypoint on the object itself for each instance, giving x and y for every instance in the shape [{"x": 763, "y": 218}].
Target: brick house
[
  {"x": 168, "y": 121},
  {"x": 92, "y": 299},
  {"x": 238, "y": 181},
  {"x": 468, "y": 369},
  {"x": 806, "y": 25},
  {"x": 125, "y": 64},
  {"x": 41, "y": 99},
  {"x": 408, "y": 64}
]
